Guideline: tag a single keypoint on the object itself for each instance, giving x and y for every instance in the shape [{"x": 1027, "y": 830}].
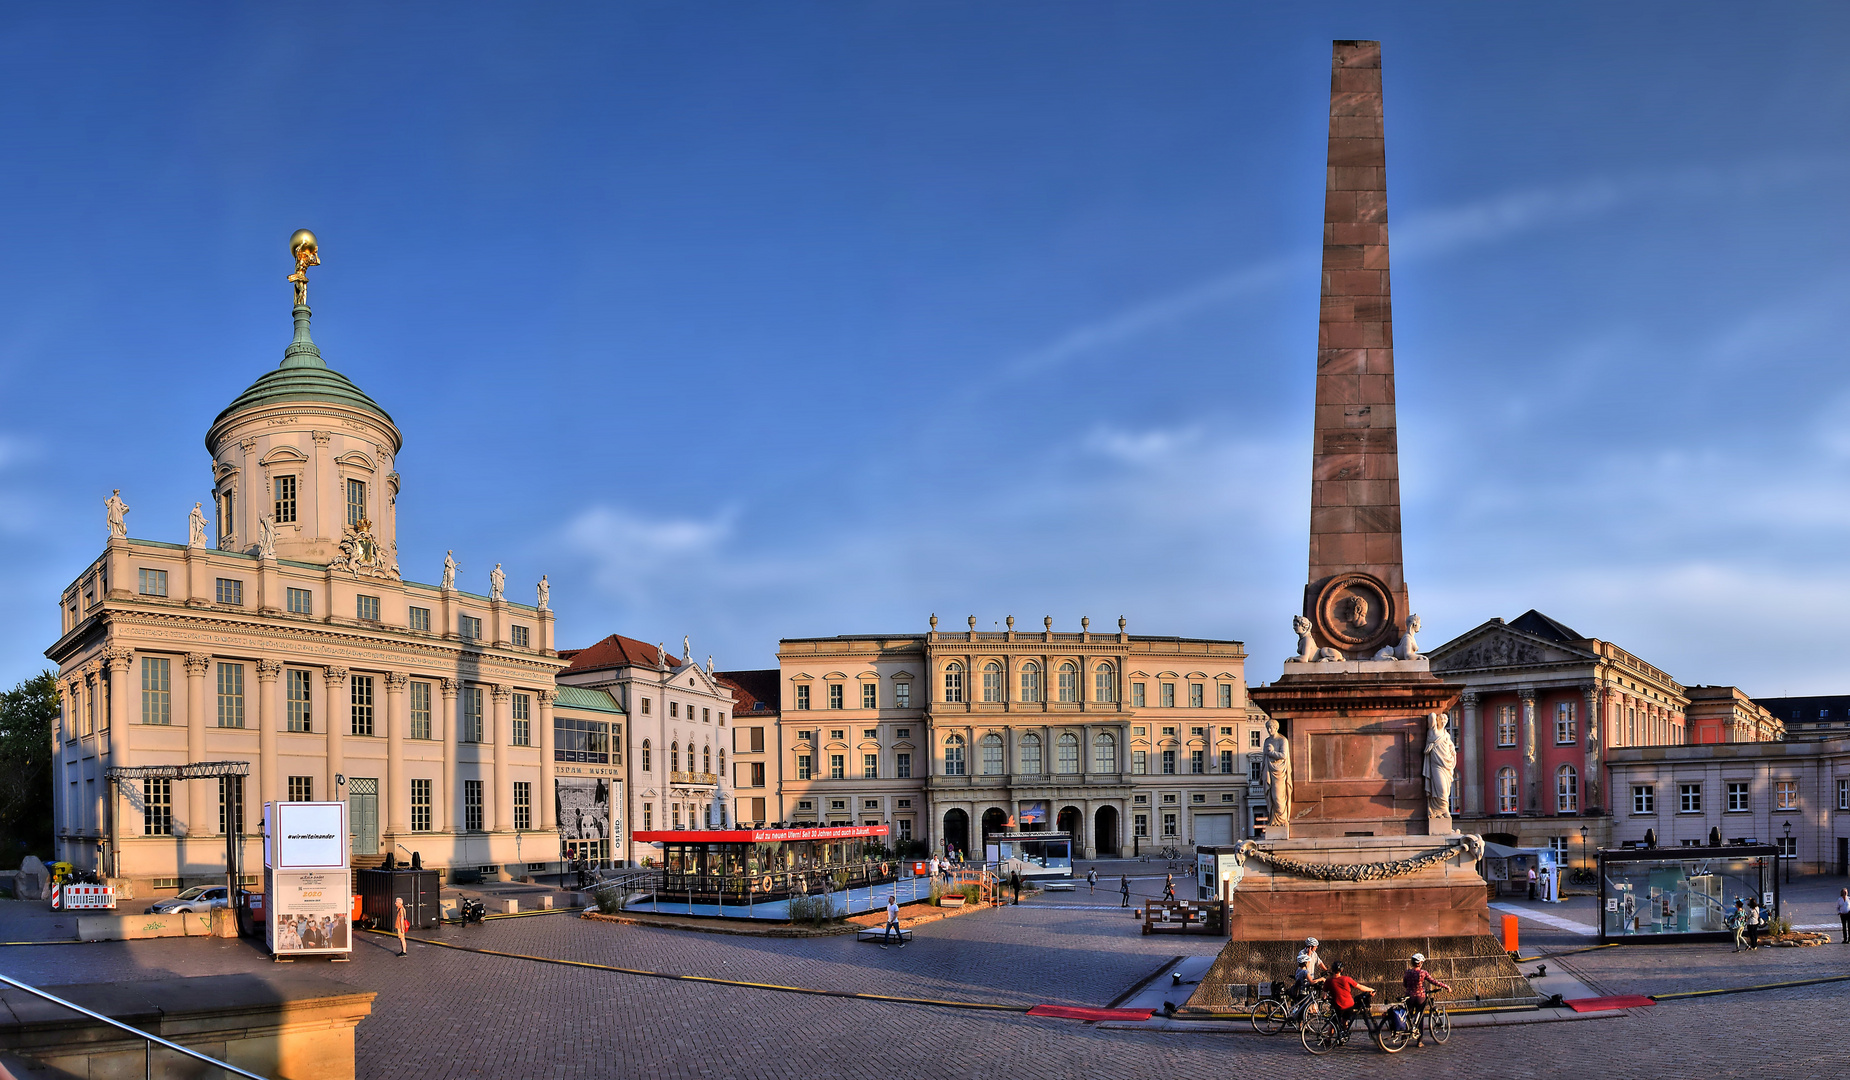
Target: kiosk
[
  {"x": 307, "y": 882},
  {"x": 1682, "y": 893}
]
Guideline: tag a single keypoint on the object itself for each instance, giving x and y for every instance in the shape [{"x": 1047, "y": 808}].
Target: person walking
[
  {"x": 1755, "y": 920},
  {"x": 892, "y": 922},
  {"x": 1737, "y": 922},
  {"x": 400, "y": 921},
  {"x": 1169, "y": 886},
  {"x": 1124, "y": 890},
  {"x": 1092, "y": 882},
  {"x": 1843, "y": 912}
]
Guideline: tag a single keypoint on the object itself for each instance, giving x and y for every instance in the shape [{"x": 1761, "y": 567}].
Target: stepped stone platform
[{"x": 1476, "y": 967}]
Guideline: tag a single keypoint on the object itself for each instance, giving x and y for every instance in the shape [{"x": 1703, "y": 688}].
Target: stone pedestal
[{"x": 1445, "y": 899}]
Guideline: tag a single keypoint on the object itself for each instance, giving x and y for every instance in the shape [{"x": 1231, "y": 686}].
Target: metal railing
[{"x": 149, "y": 1041}]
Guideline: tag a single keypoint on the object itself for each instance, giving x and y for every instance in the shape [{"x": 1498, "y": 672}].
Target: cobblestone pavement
[{"x": 444, "y": 1013}]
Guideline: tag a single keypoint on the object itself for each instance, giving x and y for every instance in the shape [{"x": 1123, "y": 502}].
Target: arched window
[
  {"x": 706, "y": 759},
  {"x": 992, "y": 681},
  {"x": 1104, "y": 753},
  {"x": 1069, "y": 681},
  {"x": 1069, "y": 753},
  {"x": 1031, "y": 755},
  {"x": 1031, "y": 681},
  {"x": 1567, "y": 790},
  {"x": 1506, "y": 790},
  {"x": 1104, "y": 683},
  {"x": 954, "y": 755},
  {"x": 954, "y": 682},
  {"x": 674, "y": 757},
  {"x": 992, "y": 755},
  {"x": 646, "y": 766}
]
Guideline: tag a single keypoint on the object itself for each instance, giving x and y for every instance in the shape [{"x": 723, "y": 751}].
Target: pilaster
[
  {"x": 1592, "y": 783},
  {"x": 398, "y": 792},
  {"x": 337, "y": 719},
  {"x": 446, "y": 805},
  {"x": 197, "y": 796},
  {"x": 1529, "y": 749},
  {"x": 501, "y": 784},
  {"x": 549, "y": 807},
  {"x": 1473, "y": 756},
  {"x": 269, "y": 715}
]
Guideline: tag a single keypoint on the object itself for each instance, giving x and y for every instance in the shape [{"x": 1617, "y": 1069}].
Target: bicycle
[
  {"x": 1322, "y": 1033},
  {"x": 1433, "y": 1018},
  {"x": 1272, "y": 1015}
]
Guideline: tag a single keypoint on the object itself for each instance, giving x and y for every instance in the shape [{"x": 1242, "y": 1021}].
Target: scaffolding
[{"x": 202, "y": 770}]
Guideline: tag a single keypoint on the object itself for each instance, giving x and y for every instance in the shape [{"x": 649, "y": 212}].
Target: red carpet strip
[
  {"x": 1599, "y": 1004},
  {"x": 1080, "y": 1012}
]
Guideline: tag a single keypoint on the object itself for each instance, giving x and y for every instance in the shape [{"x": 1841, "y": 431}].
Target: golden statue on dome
[{"x": 302, "y": 245}]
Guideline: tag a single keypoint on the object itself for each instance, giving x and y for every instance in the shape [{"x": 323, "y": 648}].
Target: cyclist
[
  {"x": 1302, "y": 986},
  {"x": 1308, "y": 957},
  {"x": 1415, "y": 980},
  {"x": 1342, "y": 994}
]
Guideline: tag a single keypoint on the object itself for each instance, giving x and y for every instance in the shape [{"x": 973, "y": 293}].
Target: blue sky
[{"x": 753, "y": 321}]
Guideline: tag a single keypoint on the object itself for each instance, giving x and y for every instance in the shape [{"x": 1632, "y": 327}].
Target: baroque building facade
[
  {"x": 287, "y": 638},
  {"x": 1125, "y": 742}
]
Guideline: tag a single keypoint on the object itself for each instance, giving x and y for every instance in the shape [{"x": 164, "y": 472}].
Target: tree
[{"x": 27, "y": 715}]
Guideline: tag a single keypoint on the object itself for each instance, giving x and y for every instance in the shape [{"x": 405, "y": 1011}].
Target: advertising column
[{"x": 307, "y": 881}]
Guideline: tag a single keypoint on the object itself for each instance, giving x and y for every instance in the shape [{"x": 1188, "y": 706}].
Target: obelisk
[{"x": 1356, "y": 594}]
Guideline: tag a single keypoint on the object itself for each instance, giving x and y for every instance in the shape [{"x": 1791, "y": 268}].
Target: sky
[{"x": 747, "y": 321}]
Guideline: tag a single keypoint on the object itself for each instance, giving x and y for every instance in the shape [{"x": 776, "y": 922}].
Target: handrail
[{"x": 148, "y": 1046}]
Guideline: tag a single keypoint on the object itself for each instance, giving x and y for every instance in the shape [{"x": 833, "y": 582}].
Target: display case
[{"x": 1682, "y": 894}]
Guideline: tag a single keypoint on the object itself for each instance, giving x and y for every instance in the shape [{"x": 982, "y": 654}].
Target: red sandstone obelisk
[{"x": 1356, "y": 594}]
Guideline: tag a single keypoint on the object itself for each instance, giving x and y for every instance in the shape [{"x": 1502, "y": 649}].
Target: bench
[
  {"x": 1059, "y": 886},
  {"x": 875, "y": 933}
]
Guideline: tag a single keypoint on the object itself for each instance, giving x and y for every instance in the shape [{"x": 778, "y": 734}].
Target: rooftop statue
[
  {"x": 497, "y": 583},
  {"x": 303, "y": 246},
  {"x": 117, "y": 509},
  {"x": 196, "y": 528}
]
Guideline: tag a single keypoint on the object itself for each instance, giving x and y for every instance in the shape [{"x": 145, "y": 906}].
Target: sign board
[
  {"x": 1032, "y": 812},
  {"x": 308, "y": 896},
  {"x": 306, "y": 835}
]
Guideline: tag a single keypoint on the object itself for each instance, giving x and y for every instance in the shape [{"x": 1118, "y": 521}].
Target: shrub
[
  {"x": 972, "y": 893},
  {"x": 610, "y": 899},
  {"x": 814, "y": 910},
  {"x": 1780, "y": 924}
]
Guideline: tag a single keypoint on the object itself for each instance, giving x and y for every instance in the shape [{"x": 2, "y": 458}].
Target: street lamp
[
  {"x": 1583, "y": 847},
  {"x": 1793, "y": 856}
]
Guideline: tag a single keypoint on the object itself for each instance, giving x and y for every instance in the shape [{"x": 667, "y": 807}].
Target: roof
[
  {"x": 303, "y": 376},
  {"x": 579, "y": 697},
  {"x": 1534, "y": 622},
  {"x": 752, "y": 691},
  {"x": 613, "y": 652}
]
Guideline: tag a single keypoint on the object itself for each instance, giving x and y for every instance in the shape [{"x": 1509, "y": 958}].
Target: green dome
[{"x": 302, "y": 376}]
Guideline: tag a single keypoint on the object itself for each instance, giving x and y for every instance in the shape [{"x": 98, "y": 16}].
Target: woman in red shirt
[{"x": 1342, "y": 994}]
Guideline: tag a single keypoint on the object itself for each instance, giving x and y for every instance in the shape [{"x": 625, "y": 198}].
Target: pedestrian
[
  {"x": 1531, "y": 882},
  {"x": 1843, "y": 912},
  {"x": 1737, "y": 922},
  {"x": 1015, "y": 881},
  {"x": 1169, "y": 886},
  {"x": 892, "y": 922},
  {"x": 400, "y": 921},
  {"x": 1124, "y": 890},
  {"x": 1309, "y": 958},
  {"x": 1755, "y": 917},
  {"x": 1092, "y": 884}
]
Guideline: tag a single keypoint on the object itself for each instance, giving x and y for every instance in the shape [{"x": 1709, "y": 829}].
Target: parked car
[{"x": 198, "y": 899}]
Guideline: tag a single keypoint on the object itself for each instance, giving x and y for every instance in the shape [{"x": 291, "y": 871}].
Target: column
[
  {"x": 397, "y": 790},
  {"x": 1473, "y": 755},
  {"x": 1529, "y": 749},
  {"x": 110, "y": 737},
  {"x": 336, "y": 720},
  {"x": 269, "y": 715},
  {"x": 1089, "y": 847},
  {"x": 446, "y": 804},
  {"x": 500, "y": 785},
  {"x": 549, "y": 804},
  {"x": 1595, "y": 732},
  {"x": 330, "y": 505},
  {"x": 198, "y": 793}
]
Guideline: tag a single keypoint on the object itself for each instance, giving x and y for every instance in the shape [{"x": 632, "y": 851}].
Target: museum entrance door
[{"x": 363, "y": 814}]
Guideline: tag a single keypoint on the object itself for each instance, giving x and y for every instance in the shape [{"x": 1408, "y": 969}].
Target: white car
[{"x": 199, "y": 899}]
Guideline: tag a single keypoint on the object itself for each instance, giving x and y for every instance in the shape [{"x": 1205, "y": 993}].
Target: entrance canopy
[{"x": 758, "y": 836}]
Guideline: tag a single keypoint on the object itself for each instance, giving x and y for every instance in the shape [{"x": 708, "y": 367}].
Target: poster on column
[{"x": 584, "y": 816}]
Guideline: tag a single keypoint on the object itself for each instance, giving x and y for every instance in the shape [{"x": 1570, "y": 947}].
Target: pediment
[
  {"x": 1499, "y": 646},
  {"x": 283, "y": 455},
  {"x": 355, "y": 459}
]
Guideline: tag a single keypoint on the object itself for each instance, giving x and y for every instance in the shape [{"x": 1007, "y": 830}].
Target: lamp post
[
  {"x": 1784, "y": 857},
  {"x": 1583, "y": 847}
]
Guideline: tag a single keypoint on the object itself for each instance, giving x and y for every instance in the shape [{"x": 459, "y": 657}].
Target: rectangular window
[
  {"x": 1843, "y": 793},
  {"x": 285, "y": 499},
  {"x": 1137, "y": 695},
  {"x": 420, "y": 710},
  {"x": 356, "y": 502},
  {"x": 757, "y": 775},
  {"x": 299, "y": 601},
  {"x": 520, "y": 637},
  {"x": 1689, "y": 798},
  {"x": 296, "y": 690},
  {"x": 674, "y": 709},
  {"x": 1140, "y": 762},
  {"x": 1169, "y": 762},
  {"x": 156, "y": 690},
  {"x": 1254, "y": 738},
  {"x": 523, "y": 719},
  {"x": 1198, "y": 732},
  {"x": 367, "y": 608},
  {"x": 420, "y": 805},
  {"x": 231, "y": 695},
  {"x": 1140, "y": 824},
  {"x": 902, "y": 695},
  {"x": 157, "y": 811},
  {"x": 902, "y": 766},
  {"x": 1169, "y": 825},
  {"x": 580, "y": 740},
  {"x": 1506, "y": 725},
  {"x": 1194, "y": 695},
  {"x": 1168, "y": 692},
  {"x": 870, "y": 733},
  {"x": 645, "y": 706},
  {"x": 1255, "y": 770},
  {"x": 837, "y": 768},
  {"x": 153, "y": 582},
  {"x": 1196, "y": 762},
  {"x": 523, "y": 804},
  {"x": 1226, "y": 761},
  {"x": 469, "y": 628},
  {"x": 1565, "y": 725},
  {"x": 472, "y": 714},
  {"x": 1644, "y": 799},
  {"x": 472, "y": 805},
  {"x": 838, "y": 733},
  {"x": 1785, "y": 794},
  {"x": 362, "y": 696},
  {"x": 420, "y": 619},
  {"x": 1226, "y": 695},
  {"x": 835, "y": 695},
  {"x": 1788, "y": 846},
  {"x": 1737, "y": 798},
  {"x": 229, "y": 591},
  {"x": 301, "y": 789},
  {"x": 803, "y": 766},
  {"x": 1558, "y": 845},
  {"x": 648, "y": 816},
  {"x": 870, "y": 695},
  {"x": 230, "y": 805},
  {"x": 803, "y": 696},
  {"x": 870, "y": 766}
]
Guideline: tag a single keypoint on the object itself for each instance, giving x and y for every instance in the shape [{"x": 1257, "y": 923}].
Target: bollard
[
  {"x": 546, "y": 901},
  {"x": 1509, "y": 934},
  {"x": 513, "y": 907}
]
